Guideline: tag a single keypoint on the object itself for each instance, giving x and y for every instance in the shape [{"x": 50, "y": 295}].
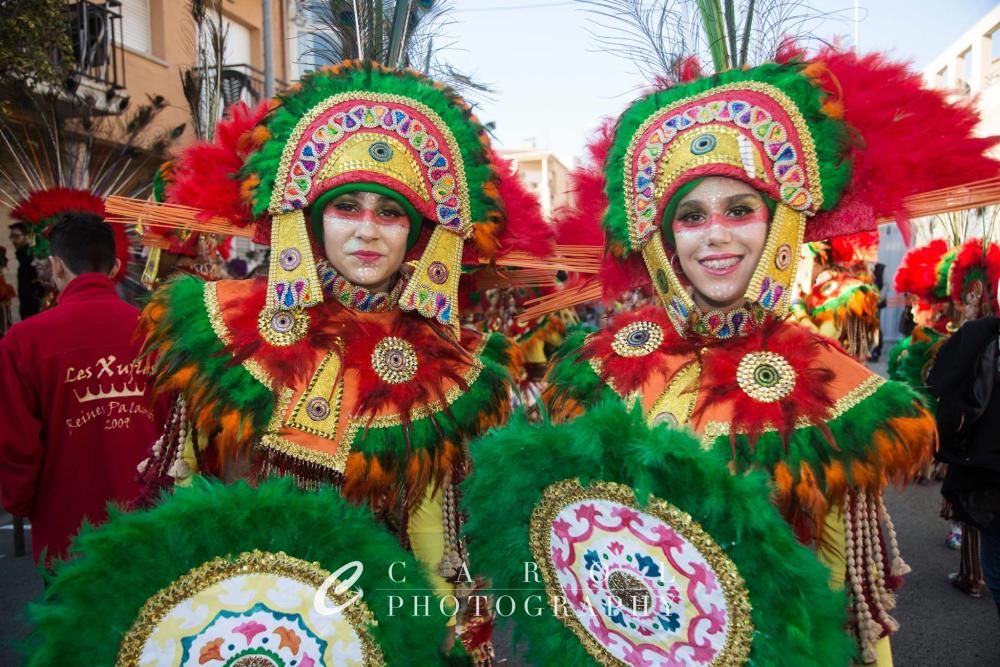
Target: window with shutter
[{"x": 135, "y": 25}]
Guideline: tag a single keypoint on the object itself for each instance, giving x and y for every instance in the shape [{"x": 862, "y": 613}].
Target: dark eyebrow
[
  {"x": 697, "y": 203},
  {"x": 745, "y": 195}
]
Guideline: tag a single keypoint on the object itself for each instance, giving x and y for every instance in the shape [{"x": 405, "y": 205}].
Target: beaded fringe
[
  {"x": 475, "y": 621},
  {"x": 858, "y": 338},
  {"x": 166, "y": 460},
  {"x": 872, "y": 574}
]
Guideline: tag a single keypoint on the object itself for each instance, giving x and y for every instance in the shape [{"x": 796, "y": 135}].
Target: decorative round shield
[
  {"x": 639, "y": 586},
  {"x": 257, "y": 610},
  {"x": 610, "y": 542},
  {"x": 238, "y": 576}
]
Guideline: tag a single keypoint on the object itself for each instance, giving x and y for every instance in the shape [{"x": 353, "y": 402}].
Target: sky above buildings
[{"x": 554, "y": 82}]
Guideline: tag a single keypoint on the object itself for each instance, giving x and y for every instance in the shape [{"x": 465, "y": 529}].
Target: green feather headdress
[
  {"x": 362, "y": 123},
  {"x": 818, "y": 139}
]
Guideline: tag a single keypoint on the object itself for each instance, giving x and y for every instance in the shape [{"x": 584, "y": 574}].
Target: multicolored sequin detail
[
  {"x": 357, "y": 298},
  {"x": 758, "y": 112},
  {"x": 433, "y": 150}
]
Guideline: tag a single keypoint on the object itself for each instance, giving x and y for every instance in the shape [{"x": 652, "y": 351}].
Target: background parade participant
[
  {"x": 74, "y": 397},
  {"x": 29, "y": 289},
  {"x": 711, "y": 186}
]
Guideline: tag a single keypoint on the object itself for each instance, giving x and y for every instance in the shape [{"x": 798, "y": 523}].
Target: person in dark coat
[
  {"x": 964, "y": 379},
  {"x": 29, "y": 289}
]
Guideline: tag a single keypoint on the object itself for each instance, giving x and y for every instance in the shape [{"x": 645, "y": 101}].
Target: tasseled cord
[
  {"x": 166, "y": 463},
  {"x": 859, "y": 343},
  {"x": 871, "y": 594}
]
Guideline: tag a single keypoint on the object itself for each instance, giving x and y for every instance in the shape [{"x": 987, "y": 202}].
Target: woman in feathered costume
[
  {"x": 711, "y": 187},
  {"x": 346, "y": 365}
]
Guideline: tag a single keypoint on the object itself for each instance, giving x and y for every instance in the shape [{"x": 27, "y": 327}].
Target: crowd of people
[{"x": 694, "y": 466}]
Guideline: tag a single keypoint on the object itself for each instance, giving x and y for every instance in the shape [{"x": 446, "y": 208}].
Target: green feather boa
[
  {"x": 186, "y": 326},
  {"x": 798, "y": 620},
  {"x": 95, "y": 598}
]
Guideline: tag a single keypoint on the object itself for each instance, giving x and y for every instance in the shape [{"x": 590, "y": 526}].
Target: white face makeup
[
  {"x": 720, "y": 229},
  {"x": 364, "y": 236}
]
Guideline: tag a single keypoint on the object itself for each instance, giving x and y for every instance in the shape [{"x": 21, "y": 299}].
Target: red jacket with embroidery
[{"x": 76, "y": 416}]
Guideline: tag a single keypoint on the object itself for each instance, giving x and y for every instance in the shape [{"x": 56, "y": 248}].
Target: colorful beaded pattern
[
  {"x": 419, "y": 128},
  {"x": 762, "y": 113},
  {"x": 432, "y": 290},
  {"x": 356, "y": 298},
  {"x": 728, "y": 324}
]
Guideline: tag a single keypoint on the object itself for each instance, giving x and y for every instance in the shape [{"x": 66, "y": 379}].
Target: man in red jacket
[{"x": 76, "y": 415}]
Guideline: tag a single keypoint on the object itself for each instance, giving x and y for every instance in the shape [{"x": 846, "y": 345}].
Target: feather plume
[
  {"x": 909, "y": 140},
  {"x": 207, "y": 174},
  {"x": 918, "y": 272}
]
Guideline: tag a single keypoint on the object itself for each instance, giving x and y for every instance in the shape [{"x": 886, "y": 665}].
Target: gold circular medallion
[
  {"x": 394, "y": 360},
  {"x": 765, "y": 376},
  {"x": 282, "y": 327},
  {"x": 637, "y": 339}
]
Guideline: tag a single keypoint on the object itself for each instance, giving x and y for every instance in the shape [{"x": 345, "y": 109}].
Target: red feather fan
[
  {"x": 810, "y": 398},
  {"x": 630, "y": 373},
  {"x": 427, "y": 385},
  {"x": 207, "y": 173},
  {"x": 917, "y": 273},
  {"x": 911, "y": 140}
]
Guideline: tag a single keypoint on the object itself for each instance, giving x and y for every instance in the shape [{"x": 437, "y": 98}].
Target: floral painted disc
[
  {"x": 638, "y": 586},
  {"x": 255, "y": 611}
]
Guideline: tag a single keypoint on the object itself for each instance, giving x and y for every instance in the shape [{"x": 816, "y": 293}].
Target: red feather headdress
[
  {"x": 974, "y": 265},
  {"x": 41, "y": 208},
  {"x": 919, "y": 272},
  {"x": 854, "y": 250}
]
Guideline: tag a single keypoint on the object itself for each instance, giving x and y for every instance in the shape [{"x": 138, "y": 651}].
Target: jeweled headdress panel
[
  {"x": 361, "y": 123},
  {"x": 764, "y": 126}
]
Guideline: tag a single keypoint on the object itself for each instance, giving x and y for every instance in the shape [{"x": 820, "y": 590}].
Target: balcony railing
[
  {"x": 97, "y": 72},
  {"x": 240, "y": 82}
]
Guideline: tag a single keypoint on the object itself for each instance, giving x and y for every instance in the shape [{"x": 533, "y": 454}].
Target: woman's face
[
  {"x": 720, "y": 229},
  {"x": 364, "y": 236}
]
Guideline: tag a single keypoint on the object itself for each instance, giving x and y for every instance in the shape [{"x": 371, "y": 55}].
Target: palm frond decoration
[
  {"x": 202, "y": 83},
  {"x": 396, "y": 33},
  {"x": 45, "y": 144},
  {"x": 659, "y": 36}
]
